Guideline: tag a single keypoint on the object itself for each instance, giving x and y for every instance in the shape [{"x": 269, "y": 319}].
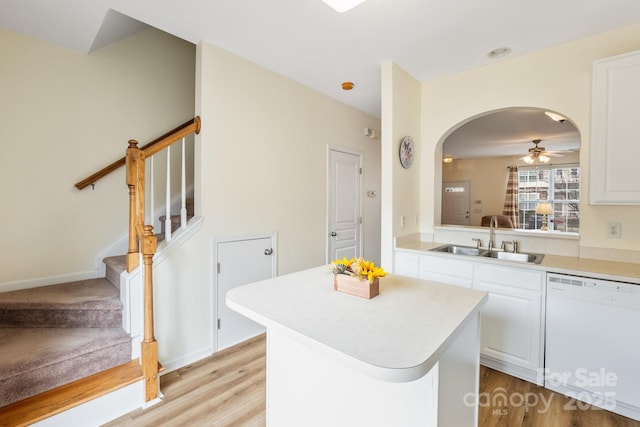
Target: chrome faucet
[
  {"x": 514, "y": 244},
  {"x": 478, "y": 243},
  {"x": 493, "y": 223}
]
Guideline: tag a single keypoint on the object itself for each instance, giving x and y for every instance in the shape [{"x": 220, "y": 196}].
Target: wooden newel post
[
  {"x": 149, "y": 349},
  {"x": 133, "y": 257}
]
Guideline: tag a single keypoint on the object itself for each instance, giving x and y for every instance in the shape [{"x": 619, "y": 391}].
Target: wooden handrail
[
  {"x": 184, "y": 129},
  {"x": 143, "y": 243}
]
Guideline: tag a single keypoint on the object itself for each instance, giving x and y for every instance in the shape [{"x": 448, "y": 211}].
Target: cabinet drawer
[
  {"x": 514, "y": 277},
  {"x": 406, "y": 264},
  {"x": 446, "y": 267}
]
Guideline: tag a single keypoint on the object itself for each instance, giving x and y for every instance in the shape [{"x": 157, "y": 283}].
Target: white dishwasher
[{"x": 592, "y": 349}]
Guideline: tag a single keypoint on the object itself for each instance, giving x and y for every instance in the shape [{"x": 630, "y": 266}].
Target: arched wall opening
[{"x": 481, "y": 148}]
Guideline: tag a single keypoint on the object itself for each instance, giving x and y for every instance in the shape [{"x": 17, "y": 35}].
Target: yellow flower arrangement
[{"x": 357, "y": 267}]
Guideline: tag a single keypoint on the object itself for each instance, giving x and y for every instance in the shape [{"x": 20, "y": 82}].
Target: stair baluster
[
  {"x": 183, "y": 189},
  {"x": 167, "y": 219}
]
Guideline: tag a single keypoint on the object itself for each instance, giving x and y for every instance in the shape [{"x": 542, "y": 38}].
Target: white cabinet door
[
  {"x": 614, "y": 133},
  {"x": 407, "y": 264},
  {"x": 240, "y": 262},
  {"x": 512, "y": 320},
  {"x": 448, "y": 270}
]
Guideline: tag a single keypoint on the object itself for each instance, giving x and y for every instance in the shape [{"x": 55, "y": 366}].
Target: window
[{"x": 560, "y": 186}]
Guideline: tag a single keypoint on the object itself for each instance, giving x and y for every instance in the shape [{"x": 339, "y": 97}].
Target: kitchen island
[{"x": 408, "y": 357}]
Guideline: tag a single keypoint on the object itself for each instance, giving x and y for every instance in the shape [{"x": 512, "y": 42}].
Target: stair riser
[
  {"x": 113, "y": 277},
  {"x": 114, "y": 266},
  {"x": 45, "y": 378},
  {"x": 51, "y": 318},
  {"x": 175, "y": 223}
]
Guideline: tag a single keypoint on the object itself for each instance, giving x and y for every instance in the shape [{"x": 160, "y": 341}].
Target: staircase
[
  {"x": 60, "y": 334},
  {"x": 63, "y": 345},
  {"x": 57, "y": 334}
]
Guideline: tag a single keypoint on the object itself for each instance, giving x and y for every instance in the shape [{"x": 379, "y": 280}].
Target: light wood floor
[
  {"x": 545, "y": 409},
  {"x": 228, "y": 389}
]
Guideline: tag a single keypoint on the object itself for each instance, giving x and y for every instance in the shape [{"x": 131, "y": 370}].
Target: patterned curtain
[{"x": 511, "y": 198}]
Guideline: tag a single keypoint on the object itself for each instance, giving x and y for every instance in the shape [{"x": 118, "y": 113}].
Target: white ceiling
[
  {"x": 510, "y": 132},
  {"x": 318, "y": 47}
]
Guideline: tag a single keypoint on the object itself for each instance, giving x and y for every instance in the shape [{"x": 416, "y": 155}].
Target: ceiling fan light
[
  {"x": 528, "y": 159},
  {"x": 556, "y": 117},
  {"x": 543, "y": 158},
  {"x": 343, "y": 5}
]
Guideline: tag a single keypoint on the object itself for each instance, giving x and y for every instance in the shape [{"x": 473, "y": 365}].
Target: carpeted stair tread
[
  {"x": 33, "y": 360},
  {"x": 24, "y": 349},
  {"x": 89, "y": 294},
  {"x": 91, "y": 303}
]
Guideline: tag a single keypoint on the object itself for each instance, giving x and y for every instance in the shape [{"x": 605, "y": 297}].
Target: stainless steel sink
[
  {"x": 461, "y": 250},
  {"x": 520, "y": 256},
  {"x": 506, "y": 256}
]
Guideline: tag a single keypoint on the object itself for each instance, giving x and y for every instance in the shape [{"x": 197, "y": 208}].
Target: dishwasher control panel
[{"x": 595, "y": 290}]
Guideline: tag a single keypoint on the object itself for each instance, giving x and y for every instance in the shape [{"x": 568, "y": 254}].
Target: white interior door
[
  {"x": 344, "y": 204},
  {"x": 455, "y": 203},
  {"x": 240, "y": 262}
]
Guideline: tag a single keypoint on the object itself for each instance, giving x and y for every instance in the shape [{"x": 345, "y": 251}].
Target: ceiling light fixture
[
  {"x": 536, "y": 153},
  {"x": 347, "y": 85},
  {"x": 343, "y": 5},
  {"x": 499, "y": 52},
  {"x": 447, "y": 159},
  {"x": 556, "y": 117}
]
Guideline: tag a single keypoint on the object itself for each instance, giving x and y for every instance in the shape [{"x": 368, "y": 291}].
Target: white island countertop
[{"x": 397, "y": 336}]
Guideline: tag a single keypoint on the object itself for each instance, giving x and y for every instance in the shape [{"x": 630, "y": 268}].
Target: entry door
[
  {"x": 344, "y": 205},
  {"x": 455, "y": 203},
  {"x": 240, "y": 262}
]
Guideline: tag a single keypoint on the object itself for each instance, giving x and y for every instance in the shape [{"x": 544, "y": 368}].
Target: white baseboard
[
  {"x": 511, "y": 369},
  {"x": 185, "y": 360}
]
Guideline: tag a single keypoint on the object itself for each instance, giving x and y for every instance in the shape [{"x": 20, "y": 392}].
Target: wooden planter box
[{"x": 356, "y": 286}]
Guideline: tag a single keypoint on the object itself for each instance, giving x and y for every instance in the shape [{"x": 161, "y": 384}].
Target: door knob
[
  {"x": 268, "y": 251},
  {"x": 334, "y": 234}
]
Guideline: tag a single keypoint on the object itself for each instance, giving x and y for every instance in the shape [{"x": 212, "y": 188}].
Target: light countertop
[
  {"x": 396, "y": 336},
  {"x": 607, "y": 270}
]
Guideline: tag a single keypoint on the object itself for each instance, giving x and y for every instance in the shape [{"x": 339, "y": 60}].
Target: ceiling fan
[{"x": 538, "y": 153}]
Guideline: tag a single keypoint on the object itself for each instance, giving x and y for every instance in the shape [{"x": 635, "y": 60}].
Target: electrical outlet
[
  {"x": 403, "y": 221},
  {"x": 614, "y": 230}
]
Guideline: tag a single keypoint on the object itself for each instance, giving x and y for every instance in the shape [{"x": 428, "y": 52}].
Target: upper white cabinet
[{"x": 615, "y": 140}]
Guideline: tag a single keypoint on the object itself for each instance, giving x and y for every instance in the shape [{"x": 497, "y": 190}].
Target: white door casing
[
  {"x": 344, "y": 203},
  {"x": 455, "y": 203},
  {"x": 240, "y": 261}
]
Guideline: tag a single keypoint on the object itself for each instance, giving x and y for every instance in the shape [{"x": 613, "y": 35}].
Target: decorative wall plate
[{"x": 407, "y": 152}]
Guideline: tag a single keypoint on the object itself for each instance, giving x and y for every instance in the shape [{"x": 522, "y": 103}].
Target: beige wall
[
  {"x": 557, "y": 79},
  {"x": 401, "y": 187},
  {"x": 260, "y": 165},
  {"x": 263, "y": 152},
  {"x": 260, "y": 168},
  {"x": 488, "y": 178},
  {"x": 65, "y": 115}
]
